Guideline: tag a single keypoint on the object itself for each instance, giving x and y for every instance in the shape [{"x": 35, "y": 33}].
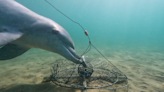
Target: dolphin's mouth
[
  {"x": 73, "y": 53},
  {"x": 69, "y": 52}
]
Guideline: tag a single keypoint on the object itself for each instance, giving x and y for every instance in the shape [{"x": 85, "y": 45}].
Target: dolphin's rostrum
[{"x": 22, "y": 29}]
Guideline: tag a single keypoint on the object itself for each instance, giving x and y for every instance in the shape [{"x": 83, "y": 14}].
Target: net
[{"x": 98, "y": 74}]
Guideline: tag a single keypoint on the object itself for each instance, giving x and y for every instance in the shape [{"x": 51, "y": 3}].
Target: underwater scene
[{"x": 81, "y": 46}]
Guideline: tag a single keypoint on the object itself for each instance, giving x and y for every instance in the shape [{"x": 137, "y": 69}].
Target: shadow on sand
[{"x": 43, "y": 87}]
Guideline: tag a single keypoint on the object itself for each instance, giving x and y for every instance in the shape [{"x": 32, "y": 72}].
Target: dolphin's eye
[{"x": 55, "y": 31}]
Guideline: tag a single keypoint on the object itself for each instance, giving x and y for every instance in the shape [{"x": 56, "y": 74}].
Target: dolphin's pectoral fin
[
  {"x": 10, "y": 51},
  {"x": 7, "y": 37}
]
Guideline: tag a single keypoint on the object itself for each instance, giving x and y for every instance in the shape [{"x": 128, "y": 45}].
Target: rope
[
  {"x": 87, "y": 50},
  {"x": 105, "y": 58},
  {"x": 90, "y": 45}
]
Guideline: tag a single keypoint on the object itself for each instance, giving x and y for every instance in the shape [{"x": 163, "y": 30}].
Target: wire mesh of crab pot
[{"x": 99, "y": 74}]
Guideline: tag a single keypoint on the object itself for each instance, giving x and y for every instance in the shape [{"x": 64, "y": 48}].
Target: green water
[
  {"x": 110, "y": 23},
  {"x": 130, "y": 33}
]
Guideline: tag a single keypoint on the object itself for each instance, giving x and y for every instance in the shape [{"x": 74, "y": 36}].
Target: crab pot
[{"x": 99, "y": 74}]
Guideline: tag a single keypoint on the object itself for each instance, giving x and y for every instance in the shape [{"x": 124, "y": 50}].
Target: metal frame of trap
[{"x": 84, "y": 88}]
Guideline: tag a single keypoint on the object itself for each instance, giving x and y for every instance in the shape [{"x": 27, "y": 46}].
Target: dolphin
[{"x": 22, "y": 29}]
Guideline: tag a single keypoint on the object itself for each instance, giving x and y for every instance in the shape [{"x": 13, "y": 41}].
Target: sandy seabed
[{"x": 144, "y": 68}]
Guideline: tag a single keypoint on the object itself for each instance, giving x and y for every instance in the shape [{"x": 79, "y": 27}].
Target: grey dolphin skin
[{"x": 22, "y": 29}]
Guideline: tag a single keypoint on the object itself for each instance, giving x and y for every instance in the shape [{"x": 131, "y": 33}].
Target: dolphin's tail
[{"x": 10, "y": 51}]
